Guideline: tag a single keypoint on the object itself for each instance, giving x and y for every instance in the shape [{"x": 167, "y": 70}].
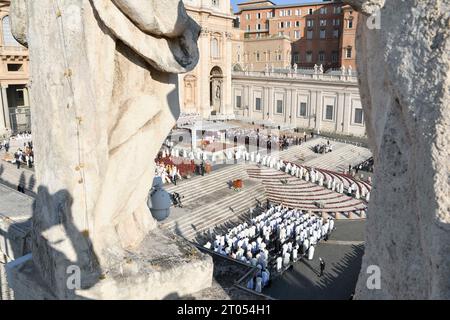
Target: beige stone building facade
[
  {"x": 14, "y": 78},
  {"x": 320, "y": 32},
  {"x": 207, "y": 89},
  {"x": 322, "y": 102},
  {"x": 261, "y": 53}
]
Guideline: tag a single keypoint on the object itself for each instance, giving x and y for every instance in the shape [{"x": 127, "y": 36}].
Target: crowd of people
[
  {"x": 273, "y": 241},
  {"x": 366, "y": 166},
  {"x": 24, "y": 153},
  {"x": 270, "y": 141},
  {"x": 174, "y": 164},
  {"x": 168, "y": 173},
  {"x": 323, "y": 148}
]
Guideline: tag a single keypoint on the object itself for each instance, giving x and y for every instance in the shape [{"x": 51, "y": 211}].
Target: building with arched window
[
  {"x": 206, "y": 90},
  {"x": 14, "y": 78}
]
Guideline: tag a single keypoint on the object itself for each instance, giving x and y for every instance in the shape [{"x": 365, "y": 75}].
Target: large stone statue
[
  {"x": 403, "y": 62},
  {"x": 104, "y": 92}
]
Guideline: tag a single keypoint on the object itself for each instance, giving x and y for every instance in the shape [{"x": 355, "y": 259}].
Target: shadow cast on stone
[{"x": 52, "y": 237}]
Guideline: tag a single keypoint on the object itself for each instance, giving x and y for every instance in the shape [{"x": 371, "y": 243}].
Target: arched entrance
[{"x": 216, "y": 90}]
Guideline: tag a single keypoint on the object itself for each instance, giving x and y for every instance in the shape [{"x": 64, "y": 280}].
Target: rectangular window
[
  {"x": 238, "y": 102},
  {"x": 258, "y": 16},
  {"x": 269, "y": 14},
  {"x": 323, "y": 10},
  {"x": 296, "y": 57},
  {"x": 310, "y": 11},
  {"x": 329, "y": 112},
  {"x": 323, "y": 22},
  {"x": 19, "y": 98},
  {"x": 348, "y": 53},
  {"x": 321, "y": 56},
  {"x": 297, "y": 34},
  {"x": 309, "y": 34},
  {"x": 334, "y": 56},
  {"x": 248, "y": 28},
  {"x": 309, "y": 56},
  {"x": 288, "y": 24},
  {"x": 258, "y": 26},
  {"x": 281, "y": 25},
  {"x": 336, "y": 33},
  {"x": 302, "y": 109},
  {"x": 15, "y": 67},
  {"x": 358, "y": 115},
  {"x": 322, "y": 34},
  {"x": 258, "y": 104},
  {"x": 297, "y": 24},
  {"x": 247, "y": 16},
  {"x": 350, "y": 24},
  {"x": 298, "y": 12},
  {"x": 310, "y": 23},
  {"x": 336, "y": 22},
  {"x": 337, "y": 10},
  {"x": 281, "y": 13},
  {"x": 279, "y": 106}
]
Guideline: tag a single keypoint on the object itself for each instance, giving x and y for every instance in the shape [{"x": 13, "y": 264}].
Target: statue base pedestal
[{"x": 164, "y": 267}]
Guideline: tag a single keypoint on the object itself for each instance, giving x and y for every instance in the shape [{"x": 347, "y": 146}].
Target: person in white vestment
[
  {"x": 311, "y": 253},
  {"x": 258, "y": 287},
  {"x": 279, "y": 263},
  {"x": 250, "y": 284},
  {"x": 265, "y": 277}
]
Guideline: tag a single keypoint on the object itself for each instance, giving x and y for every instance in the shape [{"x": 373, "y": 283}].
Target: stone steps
[
  {"x": 213, "y": 214},
  {"x": 197, "y": 187},
  {"x": 300, "y": 194}
]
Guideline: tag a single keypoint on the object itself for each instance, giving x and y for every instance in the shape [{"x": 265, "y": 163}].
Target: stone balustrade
[{"x": 298, "y": 74}]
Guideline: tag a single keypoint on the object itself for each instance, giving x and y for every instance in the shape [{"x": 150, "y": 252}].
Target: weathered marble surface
[
  {"x": 404, "y": 84},
  {"x": 15, "y": 224},
  {"x": 104, "y": 92}
]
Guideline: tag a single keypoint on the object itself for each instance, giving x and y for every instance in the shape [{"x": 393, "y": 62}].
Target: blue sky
[{"x": 233, "y": 2}]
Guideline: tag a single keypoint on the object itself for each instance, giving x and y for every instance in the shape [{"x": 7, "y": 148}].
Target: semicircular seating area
[{"x": 297, "y": 193}]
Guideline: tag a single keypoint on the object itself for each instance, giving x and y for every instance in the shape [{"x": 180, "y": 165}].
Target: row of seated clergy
[
  {"x": 278, "y": 227},
  {"x": 309, "y": 175}
]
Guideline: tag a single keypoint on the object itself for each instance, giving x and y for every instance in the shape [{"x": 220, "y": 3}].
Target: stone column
[
  {"x": 26, "y": 97},
  {"x": 318, "y": 110},
  {"x": 313, "y": 110},
  {"x": 227, "y": 96},
  {"x": 6, "y": 107},
  {"x": 346, "y": 113},
  {"x": 2, "y": 118},
  {"x": 246, "y": 100},
  {"x": 287, "y": 109},
  {"x": 265, "y": 108},
  {"x": 251, "y": 101},
  {"x": 270, "y": 104},
  {"x": 341, "y": 110},
  {"x": 204, "y": 76}
]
